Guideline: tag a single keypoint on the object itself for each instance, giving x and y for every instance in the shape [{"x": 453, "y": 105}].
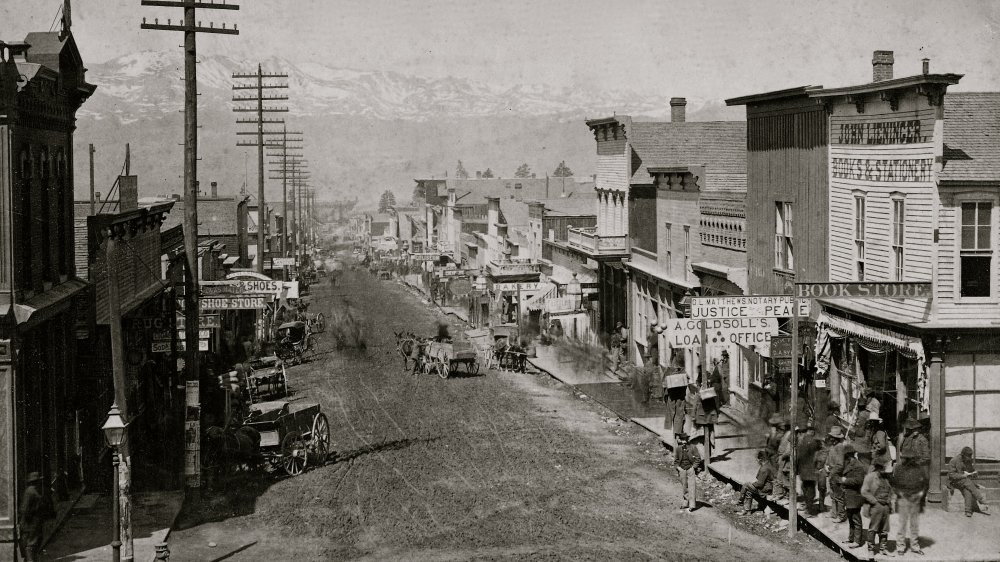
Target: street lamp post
[{"x": 114, "y": 435}]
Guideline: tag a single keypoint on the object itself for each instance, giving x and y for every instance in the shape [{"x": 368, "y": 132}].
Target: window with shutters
[{"x": 898, "y": 238}]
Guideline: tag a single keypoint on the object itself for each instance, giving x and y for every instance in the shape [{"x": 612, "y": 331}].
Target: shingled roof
[
  {"x": 971, "y": 137},
  {"x": 718, "y": 145}
]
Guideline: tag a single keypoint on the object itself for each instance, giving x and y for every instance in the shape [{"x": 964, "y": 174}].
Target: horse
[
  {"x": 229, "y": 450},
  {"x": 404, "y": 346}
]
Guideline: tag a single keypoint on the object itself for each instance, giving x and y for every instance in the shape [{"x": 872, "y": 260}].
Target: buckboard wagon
[
  {"x": 445, "y": 357},
  {"x": 290, "y": 437}
]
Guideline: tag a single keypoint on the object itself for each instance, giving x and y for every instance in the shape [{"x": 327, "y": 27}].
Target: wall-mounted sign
[
  {"x": 164, "y": 346},
  {"x": 233, "y": 303},
  {"x": 781, "y": 347},
  {"x": 425, "y": 257},
  {"x": 774, "y": 306},
  {"x": 883, "y": 170},
  {"x": 863, "y": 290},
  {"x": 283, "y": 262},
  {"x": 204, "y": 321},
  {"x": 905, "y": 131},
  {"x": 523, "y": 287}
]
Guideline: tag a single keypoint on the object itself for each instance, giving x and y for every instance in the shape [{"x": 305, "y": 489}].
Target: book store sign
[{"x": 863, "y": 290}]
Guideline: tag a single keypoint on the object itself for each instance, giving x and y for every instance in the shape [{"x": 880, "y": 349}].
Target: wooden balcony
[{"x": 587, "y": 240}]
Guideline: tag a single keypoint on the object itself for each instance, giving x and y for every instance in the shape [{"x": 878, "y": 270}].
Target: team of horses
[{"x": 504, "y": 356}]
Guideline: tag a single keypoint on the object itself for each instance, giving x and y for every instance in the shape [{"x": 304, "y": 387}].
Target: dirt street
[{"x": 489, "y": 467}]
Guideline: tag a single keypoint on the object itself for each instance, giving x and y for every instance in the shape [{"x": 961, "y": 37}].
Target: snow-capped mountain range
[
  {"x": 147, "y": 81},
  {"x": 365, "y": 131}
]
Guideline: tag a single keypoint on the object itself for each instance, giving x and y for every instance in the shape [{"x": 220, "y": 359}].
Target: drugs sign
[{"x": 686, "y": 332}]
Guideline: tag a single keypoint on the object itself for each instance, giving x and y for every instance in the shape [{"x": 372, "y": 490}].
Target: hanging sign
[
  {"x": 233, "y": 303},
  {"x": 773, "y": 306},
  {"x": 283, "y": 262},
  {"x": 241, "y": 287},
  {"x": 686, "y": 332}
]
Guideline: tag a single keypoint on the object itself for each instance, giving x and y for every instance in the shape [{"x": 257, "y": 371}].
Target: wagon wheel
[
  {"x": 474, "y": 367},
  {"x": 443, "y": 368},
  {"x": 310, "y": 350},
  {"x": 319, "y": 439},
  {"x": 283, "y": 380},
  {"x": 293, "y": 453},
  {"x": 428, "y": 365},
  {"x": 320, "y": 322}
]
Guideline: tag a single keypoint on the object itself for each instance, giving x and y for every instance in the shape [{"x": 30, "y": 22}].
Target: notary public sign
[
  {"x": 772, "y": 306},
  {"x": 234, "y": 303},
  {"x": 902, "y": 290},
  {"x": 686, "y": 332}
]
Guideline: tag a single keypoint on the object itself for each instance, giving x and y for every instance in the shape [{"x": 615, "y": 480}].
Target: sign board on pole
[
  {"x": 686, "y": 332},
  {"x": 233, "y": 303},
  {"x": 524, "y": 287},
  {"x": 783, "y": 364},
  {"x": 864, "y": 290},
  {"x": 773, "y": 306},
  {"x": 283, "y": 262}
]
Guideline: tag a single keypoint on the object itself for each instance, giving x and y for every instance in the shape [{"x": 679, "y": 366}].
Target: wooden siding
[
  {"x": 878, "y": 153},
  {"x": 680, "y": 209},
  {"x": 786, "y": 163},
  {"x": 612, "y": 172},
  {"x": 642, "y": 227}
]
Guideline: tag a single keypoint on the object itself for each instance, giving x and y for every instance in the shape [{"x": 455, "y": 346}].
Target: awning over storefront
[
  {"x": 871, "y": 339},
  {"x": 49, "y": 303}
]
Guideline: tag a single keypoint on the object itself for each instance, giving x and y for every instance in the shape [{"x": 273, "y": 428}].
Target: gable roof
[
  {"x": 971, "y": 137},
  {"x": 720, "y": 146}
]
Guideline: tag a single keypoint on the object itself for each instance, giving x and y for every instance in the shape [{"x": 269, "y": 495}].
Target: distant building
[{"x": 224, "y": 219}]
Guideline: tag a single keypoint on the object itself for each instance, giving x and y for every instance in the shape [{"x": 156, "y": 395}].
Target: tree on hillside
[
  {"x": 562, "y": 171},
  {"x": 460, "y": 172},
  {"x": 523, "y": 171},
  {"x": 387, "y": 200},
  {"x": 488, "y": 173}
]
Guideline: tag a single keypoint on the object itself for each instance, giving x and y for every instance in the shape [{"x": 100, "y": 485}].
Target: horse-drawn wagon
[
  {"x": 445, "y": 357},
  {"x": 290, "y": 437},
  {"x": 267, "y": 379}
]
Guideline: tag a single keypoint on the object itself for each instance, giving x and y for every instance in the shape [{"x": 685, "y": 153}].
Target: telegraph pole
[
  {"x": 259, "y": 98},
  {"x": 289, "y": 155},
  {"x": 93, "y": 198},
  {"x": 291, "y": 171},
  {"x": 191, "y": 28}
]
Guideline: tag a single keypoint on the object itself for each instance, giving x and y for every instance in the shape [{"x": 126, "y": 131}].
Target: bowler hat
[
  {"x": 775, "y": 419},
  {"x": 34, "y": 477},
  {"x": 837, "y": 432},
  {"x": 874, "y": 418},
  {"x": 912, "y": 424},
  {"x": 681, "y": 436}
]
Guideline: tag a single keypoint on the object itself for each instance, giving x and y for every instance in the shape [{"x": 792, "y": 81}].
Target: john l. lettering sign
[
  {"x": 887, "y": 132},
  {"x": 863, "y": 290}
]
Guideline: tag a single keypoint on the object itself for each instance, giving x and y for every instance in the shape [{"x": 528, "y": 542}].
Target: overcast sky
[{"x": 707, "y": 49}]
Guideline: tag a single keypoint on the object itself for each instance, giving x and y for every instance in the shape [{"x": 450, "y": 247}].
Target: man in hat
[
  {"x": 779, "y": 428},
  {"x": 834, "y": 469},
  {"x": 879, "y": 441},
  {"x": 961, "y": 471},
  {"x": 615, "y": 349},
  {"x": 832, "y": 417},
  {"x": 760, "y": 487},
  {"x": 851, "y": 480},
  {"x": 686, "y": 459},
  {"x": 805, "y": 466},
  {"x": 910, "y": 481},
  {"x": 31, "y": 517},
  {"x": 877, "y": 493},
  {"x": 914, "y": 444},
  {"x": 784, "y": 464}
]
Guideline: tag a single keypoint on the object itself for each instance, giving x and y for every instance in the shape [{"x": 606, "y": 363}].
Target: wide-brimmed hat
[
  {"x": 777, "y": 419},
  {"x": 681, "y": 436},
  {"x": 912, "y": 424},
  {"x": 34, "y": 477},
  {"x": 875, "y": 418},
  {"x": 837, "y": 432}
]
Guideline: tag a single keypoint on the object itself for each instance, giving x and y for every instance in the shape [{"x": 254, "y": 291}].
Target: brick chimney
[
  {"x": 215, "y": 189},
  {"x": 677, "y": 107},
  {"x": 882, "y": 66},
  {"x": 927, "y": 66}
]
